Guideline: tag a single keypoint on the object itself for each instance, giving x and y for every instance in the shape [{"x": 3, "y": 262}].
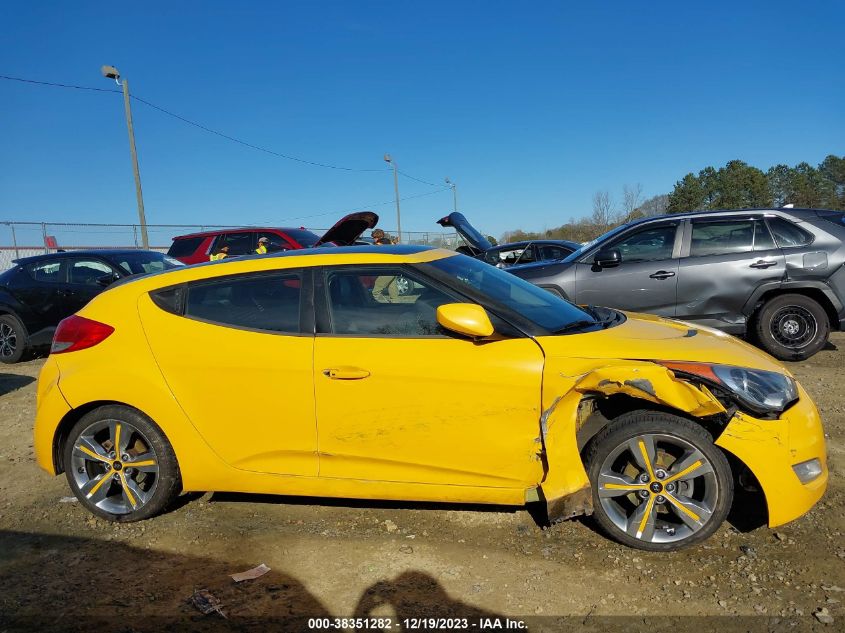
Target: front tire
[
  {"x": 12, "y": 339},
  {"x": 792, "y": 327},
  {"x": 120, "y": 465},
  {"x": 659, "y": 483}
]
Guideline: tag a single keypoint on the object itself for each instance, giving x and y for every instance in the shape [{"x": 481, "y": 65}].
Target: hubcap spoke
[
  {"x": 91, "y": 449},
  {"x": 692, "y": 464},
  {"x": 145, "y": 463},
  {"x": 96, "y": 489},
  {"x": 132, "y": 492},
  {"x": 614, "y": 485},
  {"x": 692, "y": 513},
  {"x": 641, "y": 522},
  {"x": 644, "y": 452}
]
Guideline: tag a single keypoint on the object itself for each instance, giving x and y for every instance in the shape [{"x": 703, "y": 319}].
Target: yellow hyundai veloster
[{"x": 417, "y": 374}]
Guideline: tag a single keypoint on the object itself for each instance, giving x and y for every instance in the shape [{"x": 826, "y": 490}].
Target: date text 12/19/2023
[{"x": 414, "y": 624}]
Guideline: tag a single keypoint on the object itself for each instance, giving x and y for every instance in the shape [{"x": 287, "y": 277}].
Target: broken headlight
[{"x": 760, "y": 391}]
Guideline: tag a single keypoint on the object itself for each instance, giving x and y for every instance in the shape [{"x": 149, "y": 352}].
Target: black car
[
  {"x": 776, "y": 276},
  {"x": 40, "y": 291},
  {"x": 504, "y": 255}
]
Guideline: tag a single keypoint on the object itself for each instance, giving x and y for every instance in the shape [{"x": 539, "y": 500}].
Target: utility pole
[
  {"x": 454, "y": 194},
  {"x": 112, "y": 73},
  {"x": 388, "y": 159}
]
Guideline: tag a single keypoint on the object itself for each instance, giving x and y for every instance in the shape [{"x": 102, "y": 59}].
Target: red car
[{"x": 197, "y": 247}]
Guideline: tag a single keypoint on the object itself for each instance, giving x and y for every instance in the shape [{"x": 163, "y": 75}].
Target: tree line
[{"x": 737, "y": 185}]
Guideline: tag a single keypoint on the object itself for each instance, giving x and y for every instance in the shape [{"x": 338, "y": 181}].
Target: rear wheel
[
  {"x": 120, "y": 465},
  {"x": 792, "y": 327},
  {"x": 659, "y": 483},
  {"x": 12, "y": 339}
]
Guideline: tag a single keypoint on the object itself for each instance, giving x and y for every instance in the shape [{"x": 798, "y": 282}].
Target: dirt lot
[{"x": 61, "y": 569}]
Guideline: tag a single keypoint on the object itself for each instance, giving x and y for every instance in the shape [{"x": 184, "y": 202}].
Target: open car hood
[
  {"x": 349, "y": 228},
  {"x": 476, "y": 240}
]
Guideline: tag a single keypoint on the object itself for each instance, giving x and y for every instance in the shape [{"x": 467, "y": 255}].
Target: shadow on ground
[
  {"x": 58, "y": 583},
  {"x": 13, "y": 382}
]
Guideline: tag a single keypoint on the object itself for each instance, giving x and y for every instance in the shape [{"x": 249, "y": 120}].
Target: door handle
[
  {"x": 345, "y": 373},
  {"x": 762, "y": 263},
  {"x": 662, "y": 274}
]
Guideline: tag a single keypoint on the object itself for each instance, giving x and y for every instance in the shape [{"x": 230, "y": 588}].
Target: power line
[{"x": 210, "y": 130}]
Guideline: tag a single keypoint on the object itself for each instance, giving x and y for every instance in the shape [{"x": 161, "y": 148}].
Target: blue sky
[{"x": 529, "y": 107}]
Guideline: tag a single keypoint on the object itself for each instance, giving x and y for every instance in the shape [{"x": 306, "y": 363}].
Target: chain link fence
[{"x": 22, "y": 239}]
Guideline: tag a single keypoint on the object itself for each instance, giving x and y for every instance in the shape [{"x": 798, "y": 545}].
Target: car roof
[
  {"x": 102, "y": 252},
  {"x": 801, "y": 213},
  {"x": 236, "y": 229},
  {"x": 566, "y": 243}
]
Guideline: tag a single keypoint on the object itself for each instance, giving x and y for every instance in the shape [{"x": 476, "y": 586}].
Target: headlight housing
[{"x": 760, "y": 391}]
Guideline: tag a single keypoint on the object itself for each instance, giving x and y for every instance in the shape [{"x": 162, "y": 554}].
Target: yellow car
[{"x": 310, "y": 373}]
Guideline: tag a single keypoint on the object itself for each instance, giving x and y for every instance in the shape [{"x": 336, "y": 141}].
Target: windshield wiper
[{"x": 575, "y": 325}]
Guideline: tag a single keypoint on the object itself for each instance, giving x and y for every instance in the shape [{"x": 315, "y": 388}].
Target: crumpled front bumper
[{"x": 770, "y": 448}]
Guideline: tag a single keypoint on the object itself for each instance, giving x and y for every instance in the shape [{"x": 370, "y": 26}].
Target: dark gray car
[{"x": 775, "y": 275}]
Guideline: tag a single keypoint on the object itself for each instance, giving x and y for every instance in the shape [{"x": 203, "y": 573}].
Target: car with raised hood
[
  {"x": 509, "y": 254},
  {"x": 775, "y": 276},
  {"x": 39, "y": 291},
  {"x": 195, "y": 248},
  {"x": 523, "y": 397}
]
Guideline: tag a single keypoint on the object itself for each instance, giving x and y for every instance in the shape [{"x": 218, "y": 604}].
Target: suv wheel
[
  {"x": 659, "y": 483},
  {"x": 12, "y": 339},
  {"x": 792, "y": 327}
]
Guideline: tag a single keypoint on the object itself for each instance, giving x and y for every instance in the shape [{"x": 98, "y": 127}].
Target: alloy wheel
[
  {"x": 658, "y": 488},
  {"x": 8, "y": 340},
  {"x": 115, "y": 466}
]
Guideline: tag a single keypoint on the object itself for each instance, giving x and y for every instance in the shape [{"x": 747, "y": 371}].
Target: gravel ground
[{"x": 62, "y": 569}]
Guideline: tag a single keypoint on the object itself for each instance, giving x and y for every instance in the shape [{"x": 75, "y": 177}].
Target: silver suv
[{"x": 774, "y": 275}]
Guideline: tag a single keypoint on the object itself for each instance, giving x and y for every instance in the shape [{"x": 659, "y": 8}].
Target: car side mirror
[
  {"x": 608, "y": 258},
  {"x": 468, "y": 319},
  {"x": 107, "y": 280}
]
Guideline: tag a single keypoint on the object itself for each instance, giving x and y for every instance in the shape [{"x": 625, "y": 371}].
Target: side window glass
[
  {"x": 45, "y": 271},
  {"x": 552, "y": 252},
  {"x": 88, "y": 271},
  {"x": 255, "y": 302},
  {"x": 383, "y": 302},
  {"x": 788, "y": 234},
  {"x": 720, "y": 238},
  {"x": 274, "y": 244},
  {"x": 238, "y": 243},
  {"x": 647, "y": 245},
  {"x": 762, "y": 238}
]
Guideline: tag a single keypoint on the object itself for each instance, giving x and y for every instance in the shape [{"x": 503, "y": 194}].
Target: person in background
[
  {"x": 380, "y": 238},
  {"x": 262, "y": 246},
  {"x": 220, "y": 254}
]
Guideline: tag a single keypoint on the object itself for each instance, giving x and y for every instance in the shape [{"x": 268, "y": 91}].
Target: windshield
[
  {"x": 144, "y": 262},
  {"x": 541, "y": 307}
]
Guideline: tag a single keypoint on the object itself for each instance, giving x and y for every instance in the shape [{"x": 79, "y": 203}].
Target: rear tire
[
  {"x": 13, "y": 339},
  {"x": 677, "y": 497},
  {"x": 120, "y": 465},
  {"x": 792, "y": 327}
]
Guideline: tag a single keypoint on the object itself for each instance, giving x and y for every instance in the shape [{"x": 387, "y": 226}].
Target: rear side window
[
  {"x": 721, "y": 238},
  {"x": 184, "y": 247},
  {"x": 46, "y": 270},
  {"x": 238, "y": 243},
  {"x": 788, "y": 234},
  {"x": 255, "y": 302}
]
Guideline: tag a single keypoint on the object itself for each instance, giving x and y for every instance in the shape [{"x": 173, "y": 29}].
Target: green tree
[
  {"x": 741, "y": 186},
  {"x": 832, "y": 169},
  {"x": 687, "y": 195}
]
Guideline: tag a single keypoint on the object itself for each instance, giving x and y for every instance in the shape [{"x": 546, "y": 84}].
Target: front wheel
[
  {"x": 792, "y": 327},
  {"x": 120, "y": 465},
  {"x": 659, "y": 483}
]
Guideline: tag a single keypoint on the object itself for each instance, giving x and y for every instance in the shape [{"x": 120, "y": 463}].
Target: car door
[
  {"x": 646, "y": 278},
  {"x": 83, "y": 274},
  {"x": 236, "y": 358},
  {"x": 399, "y": 399},
  {"x": 725, "y": 260},
  {"x": 41, "y": 288}
]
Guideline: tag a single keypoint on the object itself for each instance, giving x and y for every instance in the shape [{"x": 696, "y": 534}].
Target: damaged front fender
[{"x": 566, "y": 486}]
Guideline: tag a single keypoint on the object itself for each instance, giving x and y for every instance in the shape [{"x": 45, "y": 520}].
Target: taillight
[{"x": 76, "y": 332}]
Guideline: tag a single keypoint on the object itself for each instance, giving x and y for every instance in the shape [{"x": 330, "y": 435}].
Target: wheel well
[
  {"x": 72, "y": 417},
  {"x": 812, "y": 293}
]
